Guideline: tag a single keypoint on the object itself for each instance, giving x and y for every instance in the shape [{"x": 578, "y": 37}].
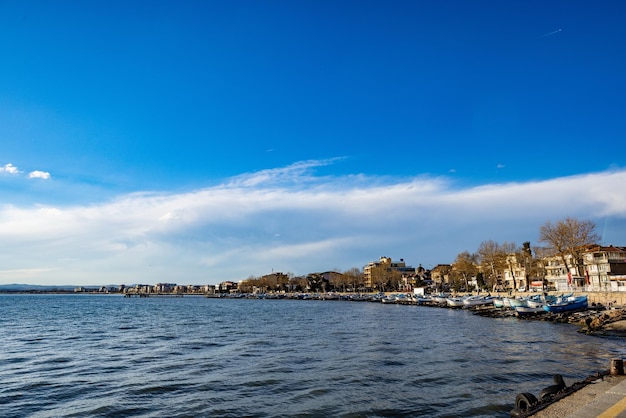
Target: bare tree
[
  {"x": 526, "y": 254},
  {"x": 379, "y": 278},
  {"x": 568, "y": 237},
  {"x": 510, "y": 253},
  {"x": 538, "y": 263},
  {"x": 354, "y": 277},
  {"x": 492, "y": 260},
  {"x": 466, "y": 266}
]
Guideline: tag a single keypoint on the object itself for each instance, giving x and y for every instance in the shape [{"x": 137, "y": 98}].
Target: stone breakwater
[{"x": 596, "y": 320}]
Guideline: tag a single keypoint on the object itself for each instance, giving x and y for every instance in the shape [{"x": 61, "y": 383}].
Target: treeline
[{"x": 566, "y": 240}]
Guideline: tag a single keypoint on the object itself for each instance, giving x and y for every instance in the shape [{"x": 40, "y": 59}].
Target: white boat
[
  {"x": 403, "y": 299},
  {"x": 440, "y": 298},
  {"x": 455, "y": 302},
  {"x": 388, "y": 299},
  {"x": 498, "y": 303},
  {"x": 528, "y": 311},
  {"x": 477, "y": 301},
  {"x": 513, "y": 302},
  {"x": 535, "y": 302}
]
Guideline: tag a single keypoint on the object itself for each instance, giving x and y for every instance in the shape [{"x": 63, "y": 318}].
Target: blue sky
[{"x": 196, "y": 142}]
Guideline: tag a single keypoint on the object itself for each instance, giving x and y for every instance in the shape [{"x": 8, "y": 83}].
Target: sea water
[{"x": 110, "y": 356}]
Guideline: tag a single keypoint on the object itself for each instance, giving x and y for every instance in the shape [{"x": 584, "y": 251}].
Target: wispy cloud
[
  {"x": 297, "y": 172},
  {"x": 289, "y": 219}
]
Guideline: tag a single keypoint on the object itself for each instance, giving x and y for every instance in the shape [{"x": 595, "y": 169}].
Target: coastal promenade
[{"x": 603, "y": 398}]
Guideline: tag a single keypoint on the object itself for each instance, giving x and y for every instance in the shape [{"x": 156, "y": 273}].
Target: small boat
[
  {"x": 529, "y": 311},
  {"x": 540, "y": 301},
  {"x": 477, "y": 301},
  {"x": 513, "y": 302},
  {"x": 389, "y": 299},
  {"x": 440, "y": 298},
  {"x": 423, "y": 300},
  {"x": 537, "y": 303},
  {"x": 455, "y": 302},
  {"x": 361, "y": 297},
  {"x": 498, "y": 303},
  {"x": 403, "y": 299},
  {"x": 572, "y": 303}
]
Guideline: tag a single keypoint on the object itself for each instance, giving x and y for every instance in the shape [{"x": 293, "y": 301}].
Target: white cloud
[
  {"x": 39, "y": 175},
  {"x": 13, "y": 170},
  {"x": 10, "y": 169},
  {"x": 289, "y": 220}
]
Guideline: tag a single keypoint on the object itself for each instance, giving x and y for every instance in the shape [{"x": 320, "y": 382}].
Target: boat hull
[
  {"x": 571, "y": 304},
  {"x": 528, "y": 311}
]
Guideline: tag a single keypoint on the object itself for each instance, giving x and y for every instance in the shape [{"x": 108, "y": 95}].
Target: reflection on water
[{"x": 86, "y": 355}]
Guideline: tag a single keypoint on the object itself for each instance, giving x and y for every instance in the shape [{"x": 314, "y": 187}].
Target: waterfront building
[
  {"x": 377, "y": 272},
  {"x": 164, "y": 287},
  {"x": 558, "y": 275},
  {"x": 515, "y": 272},
  {"x": 600, "y": 269},
  {"x": 605, "y": 268},
  {"x": 440, "y": 275},
  {"x": 226, "y": 287}
]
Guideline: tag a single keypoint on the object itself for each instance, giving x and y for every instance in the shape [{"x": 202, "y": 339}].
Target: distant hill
[{"x": 34, "y": 288}]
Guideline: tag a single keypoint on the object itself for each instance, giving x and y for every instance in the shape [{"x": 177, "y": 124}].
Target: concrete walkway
[
  {"x": 605, "y": 395},
  {"x": 610, "y": 404}
]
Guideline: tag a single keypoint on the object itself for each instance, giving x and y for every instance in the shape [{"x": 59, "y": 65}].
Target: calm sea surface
[{"x": 109, "y": 356}]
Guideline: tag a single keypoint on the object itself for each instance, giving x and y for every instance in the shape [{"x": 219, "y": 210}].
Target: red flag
[
  {"x": 569, "y": 277},
  {"x": 587, "y": 276}
]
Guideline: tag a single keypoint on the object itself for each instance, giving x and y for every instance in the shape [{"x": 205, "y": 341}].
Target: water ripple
[{"x": 108, "y": 356}]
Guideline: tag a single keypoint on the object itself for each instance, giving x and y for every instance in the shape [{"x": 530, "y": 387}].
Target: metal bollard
[{"x": 617, "y": 367}]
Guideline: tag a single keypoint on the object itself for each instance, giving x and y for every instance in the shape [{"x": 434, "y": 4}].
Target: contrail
[{"x": 554, "y": 32}]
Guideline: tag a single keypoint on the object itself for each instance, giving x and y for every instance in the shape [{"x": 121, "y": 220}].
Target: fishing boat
[
  {"x": 540, "y": 301},
  {"x": 454, "y": 302},
  {"x": 440, "y": 298},
  {"x": 498, "y": 303},
  {"x": 477, "y": 301},
  {"x": 424, "y": 300},
  {"x": 513, "y": 302},
  {"x": 572, "y": 303},
  {"x": 529, "y": 311}
]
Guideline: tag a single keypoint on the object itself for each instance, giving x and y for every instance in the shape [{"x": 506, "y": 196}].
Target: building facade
[
  {"x": 383, "y": 268},
  {"x": 605, "y": 268}
]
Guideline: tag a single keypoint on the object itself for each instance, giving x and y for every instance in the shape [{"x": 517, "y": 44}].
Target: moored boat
[
  {"x": 454, "y": 302},
  {"x": 477, "y": 301},
  {"x": 440, "y": 298},
  {"x": 529, "y": 311},
  {"x": 571, "y": 303},
  {"x": 498, "y": 303},
  {"x": 513, "y": 302}
]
